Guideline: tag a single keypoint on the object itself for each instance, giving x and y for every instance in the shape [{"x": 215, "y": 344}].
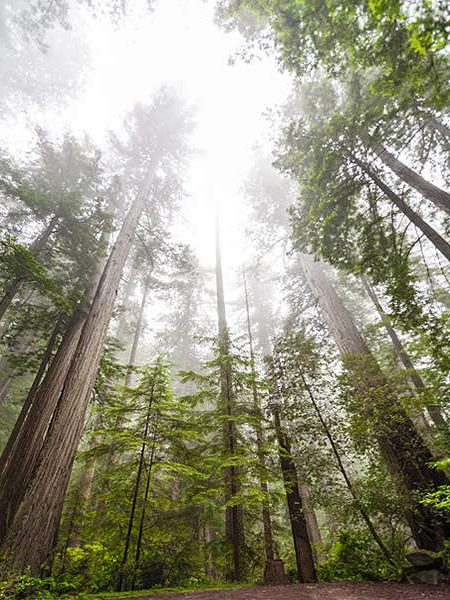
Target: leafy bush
[
  {"x": 27, "y": 587},
  {"x": 353, "y": 558},
  {"x": 440, "y": 499},
  {"x": 90, "y": 568}
]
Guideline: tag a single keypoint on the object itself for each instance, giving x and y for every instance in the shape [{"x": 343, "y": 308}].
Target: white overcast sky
[{"x": 178, "y": 43}]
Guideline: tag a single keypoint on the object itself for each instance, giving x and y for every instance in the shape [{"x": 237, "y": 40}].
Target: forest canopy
[{"x": 224, "y": 294}]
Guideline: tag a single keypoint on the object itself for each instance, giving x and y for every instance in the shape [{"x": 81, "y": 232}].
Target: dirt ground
[{"x": 327, "y": 591}]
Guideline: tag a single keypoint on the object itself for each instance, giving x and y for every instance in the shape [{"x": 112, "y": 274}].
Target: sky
[
  {"x": 177, "y": 43},
  {"x": 116, "y": 65}
]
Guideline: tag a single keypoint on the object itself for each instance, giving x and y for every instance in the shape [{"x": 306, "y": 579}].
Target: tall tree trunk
[
  {"x": 122, "y": 333},
  {"x": 137, "y": 334},
  {"x": 46, "y": 357},
  {"x": 303, "y": 551},
  {"x": 137, "y": 485},
  {"x": 137, "y": 557},
  {"x": 234, "y": 532},
  {"x": 358, "y": 504},
  {"x": 433, "y": 409},
  {"x": 403, "y": 450},
  {"x": 432, "y": 192},
  {"x": 84, "y": 485},
  {"x": 311, "y": 520},
  {"x": 266, "y": 518},
  {"x": 34, "y": 530},
  {"x": 435, "y": 238},
  {"x": 36, "y": 248},
  {"x": 21, "y": 460}
]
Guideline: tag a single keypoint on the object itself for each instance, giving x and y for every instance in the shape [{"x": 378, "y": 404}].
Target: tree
[
  {"x": 234, "y": 531},
  {"x": 27, "y": 542},
  {"x": 303, "y": 550},
  {"x": 404, "y": 452}
]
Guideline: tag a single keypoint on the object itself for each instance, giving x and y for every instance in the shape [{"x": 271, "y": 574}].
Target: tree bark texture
[
  {"x": 403, "y": 450},
  {"x": 436, "y": 195},
  {"x": 45, "y": 361},
  {"x": 22, "y": 458},
  {"x": 302, "y": 545},
  {"x": 35, "y": 527},
  {"x": 433, "y": 409},
  {"x": 435, "y": 238}
]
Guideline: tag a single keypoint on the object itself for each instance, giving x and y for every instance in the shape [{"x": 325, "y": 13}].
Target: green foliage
[
  {"x": 353, "y": 557},
  {"x": 19, "y": 263},
  {"x": 440, "y": 499},
  {"x": 28, "y": 587},
  {"x": 405, "y": 49},
  {"x": 88, "y": 568}
]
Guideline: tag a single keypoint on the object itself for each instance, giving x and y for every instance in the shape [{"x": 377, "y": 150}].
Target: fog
[{"x": 224, "y": 328}]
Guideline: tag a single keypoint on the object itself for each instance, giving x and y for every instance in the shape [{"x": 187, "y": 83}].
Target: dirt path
[{"x": 326, "y": 591}]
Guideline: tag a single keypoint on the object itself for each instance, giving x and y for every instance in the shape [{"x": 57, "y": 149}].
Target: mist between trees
[{"x": 225, "y": 340}]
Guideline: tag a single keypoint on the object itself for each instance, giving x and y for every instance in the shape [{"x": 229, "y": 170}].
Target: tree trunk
[
  {"x": 21, "y": 460},
  {"x": 433, "y": 409},
  {"x": 84, "y": 485},
  {"x": 303, "y": 551},
  {"x": 36, "y": 247},
  {"x": 32, "y": 536},
  {"x": 435, "y": 238},
  {"x": 136, "y": 491},
  {"x": 266, "y": 518},
  {"x": 311, "y": 520},
  {"x": 406, "y": 456},
  {"x": 234, "y": 532},
  {"x": 432, "y": 192},
  {"x": 443, "y": 129},
  {"x": 137, "y": 334},
  {"x": 12, "y": 440},
  {"x": 358, "y": 504},
  {"x": 144, "y": 506}
]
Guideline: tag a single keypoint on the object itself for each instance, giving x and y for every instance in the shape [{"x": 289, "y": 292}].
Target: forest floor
[{"x": 325, "y": 591}]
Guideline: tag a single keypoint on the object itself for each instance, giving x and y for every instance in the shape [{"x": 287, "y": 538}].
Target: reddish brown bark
[
  {"x": 33, "y": 533},
  {"x": 20, "y": 462},
  {"x": 12, "y": 440},
  {"x": 403, "y": 450}
]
